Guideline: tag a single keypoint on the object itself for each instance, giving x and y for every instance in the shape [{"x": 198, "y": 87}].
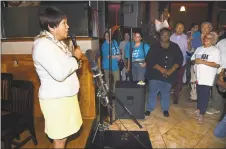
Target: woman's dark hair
[
  {"x": 180, "y": 22},
  {"x": 50, "y": 16},
  {"x": 163, "y": 30},
  {"x": 140, "y": 36},
  {"x": 222, "y": 36},
  {"x": 106, "y": 32},
  {"x": 138, "y": 33},
  {"x": 193, "y": 25}
]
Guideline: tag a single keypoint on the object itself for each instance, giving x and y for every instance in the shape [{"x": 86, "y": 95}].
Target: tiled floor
[{"x": 180, "y": 129}]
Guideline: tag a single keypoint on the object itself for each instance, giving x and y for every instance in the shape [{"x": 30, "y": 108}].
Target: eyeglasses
[
  {"x": 208, "y": 37},
  {"x": 137, "y": 36}
]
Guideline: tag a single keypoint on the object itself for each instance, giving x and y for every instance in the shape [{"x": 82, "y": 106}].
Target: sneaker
[
  {"x": 200, "y": 119},
  {"x": 147, "y": 113},
  {"x": 211, "y": 111},
  {"x": 166, "y": 113},
  {"x": 191, "y": 100},
  {"x": 141, "y": 83},
  {"x": 172, "y": 91},
  {"x": 196, "y": 112}
]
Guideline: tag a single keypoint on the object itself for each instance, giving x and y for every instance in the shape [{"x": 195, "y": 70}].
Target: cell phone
[{"x": 189, "y": 34}]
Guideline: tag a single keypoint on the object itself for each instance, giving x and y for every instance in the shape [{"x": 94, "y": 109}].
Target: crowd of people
[{"x": 163, "y": 66}]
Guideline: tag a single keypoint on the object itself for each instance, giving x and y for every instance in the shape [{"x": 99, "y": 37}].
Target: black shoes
[
  {"x": 147, "y": 113},
  {"x": 191, "y": 100},
  {"x": 175, "y": 99},
  {"x": 166, "y": 113}
]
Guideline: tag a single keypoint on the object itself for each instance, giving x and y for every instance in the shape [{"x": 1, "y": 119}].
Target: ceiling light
[{"x": 182, "y": 8}]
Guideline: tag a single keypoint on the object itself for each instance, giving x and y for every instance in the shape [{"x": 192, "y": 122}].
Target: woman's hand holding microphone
[{"x": 77, "y": 53}]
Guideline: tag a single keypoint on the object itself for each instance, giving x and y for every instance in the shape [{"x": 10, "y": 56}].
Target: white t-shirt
[
  {"x": 122, "y": 48},
  {"x": 205, "y": 74},
  {"x": 221, "y": 45},
  {"x": 56, "y": 70}
]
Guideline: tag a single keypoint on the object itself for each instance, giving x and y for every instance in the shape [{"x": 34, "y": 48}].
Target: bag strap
[
  {"x": 143, "y": 50},
  {"x": 117, "y": 50}
]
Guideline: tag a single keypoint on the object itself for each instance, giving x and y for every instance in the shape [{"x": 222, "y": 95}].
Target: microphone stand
[
  {"x": 103, "y": 94},
  {"x": 110, "y": 75},
  {"x": 130, "y": 55}
]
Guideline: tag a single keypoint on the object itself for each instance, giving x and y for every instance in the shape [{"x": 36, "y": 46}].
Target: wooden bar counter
[{"x": 16, "y": 58}]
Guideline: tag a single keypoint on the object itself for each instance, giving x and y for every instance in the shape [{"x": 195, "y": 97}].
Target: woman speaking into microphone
[{"x": 56, "y": 67}]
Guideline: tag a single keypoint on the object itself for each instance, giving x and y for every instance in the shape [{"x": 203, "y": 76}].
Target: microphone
[
  {"x": 92, "y": 58},
  {"x": 103, "y": 88},
  {"x": 73, "y": 39},
  {"x": 74, "y": 42}
]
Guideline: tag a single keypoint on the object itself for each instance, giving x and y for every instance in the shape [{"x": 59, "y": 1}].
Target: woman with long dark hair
[{"x": 115, "y": 58}]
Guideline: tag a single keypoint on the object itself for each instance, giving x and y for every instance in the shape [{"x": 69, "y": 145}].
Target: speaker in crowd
[{"x": 133, "y": 97}]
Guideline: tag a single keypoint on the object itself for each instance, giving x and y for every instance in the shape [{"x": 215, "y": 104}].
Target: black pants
[{"x": 203, "y": 95}]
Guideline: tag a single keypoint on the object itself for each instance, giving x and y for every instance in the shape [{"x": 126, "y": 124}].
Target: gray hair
[
  {"x": 210, "y": 24},
  {"x": 215, "y": 36}
]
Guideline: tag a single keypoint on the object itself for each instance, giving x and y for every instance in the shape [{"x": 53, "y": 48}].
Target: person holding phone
[{"x": 195, "y": 36}]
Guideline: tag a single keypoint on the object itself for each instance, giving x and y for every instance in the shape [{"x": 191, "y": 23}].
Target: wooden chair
[
  {"x": 6, "y": 86},
  {"x": 20, "y": 117}
]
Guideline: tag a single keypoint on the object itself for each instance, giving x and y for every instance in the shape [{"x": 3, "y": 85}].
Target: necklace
[{"x": 63, "y": 47}]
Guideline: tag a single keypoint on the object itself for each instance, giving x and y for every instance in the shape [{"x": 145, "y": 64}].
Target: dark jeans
[
  {"x": 220, "y": 130},
  {"x": 138, "y": 72},
  {"x": 223, "y": 106},
  {"x": 156, "y": 86},
  {"x": 179, "y": 83},
  {"x": 203, "y": 94}
]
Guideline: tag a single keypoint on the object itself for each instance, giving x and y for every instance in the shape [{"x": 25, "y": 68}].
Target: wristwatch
[
  {"x": 76, "y": 58},
  {"x": 222, "y": 89},
  {"x": 78, "y": 61}
]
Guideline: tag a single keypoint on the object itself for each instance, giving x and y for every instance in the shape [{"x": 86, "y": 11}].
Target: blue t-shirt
[
  {"x": 105, "y": 54},
  {"x": 196, "y": 41},
  {"x": 138, "y": 52}
]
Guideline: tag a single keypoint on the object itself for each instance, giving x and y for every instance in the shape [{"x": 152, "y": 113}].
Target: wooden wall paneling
[
  {"x": 25, "y": 71},
  {"x": 87, "y": 90},
  {"x": 3, "y": 68}
]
